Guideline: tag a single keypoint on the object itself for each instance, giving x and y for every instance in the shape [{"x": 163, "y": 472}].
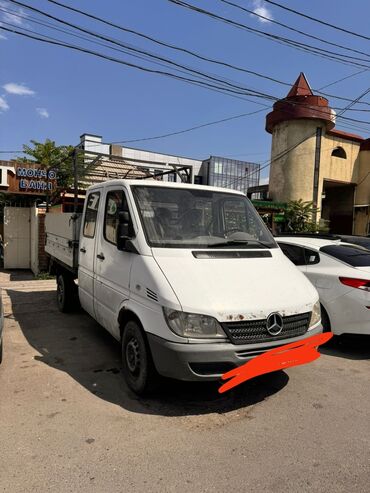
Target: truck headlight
[
  {"x": 192, "y": 324},
  {"x": 316, "y": 314}
]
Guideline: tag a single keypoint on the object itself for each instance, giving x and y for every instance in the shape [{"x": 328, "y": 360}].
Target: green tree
[
  {"x": 299, "y": 216},
  {"x": 52, "y": 157}
]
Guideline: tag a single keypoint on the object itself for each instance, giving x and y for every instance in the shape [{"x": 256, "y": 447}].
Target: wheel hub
[{"x": 133, "y": 355}]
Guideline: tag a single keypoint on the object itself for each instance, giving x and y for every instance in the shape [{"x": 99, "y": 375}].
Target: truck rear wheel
[
  {"x": 137, "y": 363},
  {"x": 67, "y": 296}
]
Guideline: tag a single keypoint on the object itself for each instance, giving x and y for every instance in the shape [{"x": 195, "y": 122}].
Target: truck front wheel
[
  {"x": 137, "y": 363},
  {"x": 66, "y": 293}
]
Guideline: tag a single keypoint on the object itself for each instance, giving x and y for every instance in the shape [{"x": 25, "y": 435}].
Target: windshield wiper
[{"x": 239, "y": 242}]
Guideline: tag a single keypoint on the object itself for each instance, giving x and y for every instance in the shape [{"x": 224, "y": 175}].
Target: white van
[{"x": 187, "y": 277}]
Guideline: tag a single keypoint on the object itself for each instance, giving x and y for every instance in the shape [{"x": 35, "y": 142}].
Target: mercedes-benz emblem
[{"x": 274, "y": 324}]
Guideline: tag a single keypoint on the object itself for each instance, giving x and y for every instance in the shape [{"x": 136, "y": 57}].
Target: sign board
[{"x": 26, "y": 178}]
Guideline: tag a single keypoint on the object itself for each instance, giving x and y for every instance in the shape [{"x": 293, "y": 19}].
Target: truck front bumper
[{"x": 208, "y": 361}]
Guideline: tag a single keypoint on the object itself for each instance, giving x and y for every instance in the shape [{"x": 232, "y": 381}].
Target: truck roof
[{"x": 166, "y": 184}]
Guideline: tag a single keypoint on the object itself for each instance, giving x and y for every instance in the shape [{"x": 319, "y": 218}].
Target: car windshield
[
  {"x": 354, "y": 255},
  {"x": 187, "y": 217}
]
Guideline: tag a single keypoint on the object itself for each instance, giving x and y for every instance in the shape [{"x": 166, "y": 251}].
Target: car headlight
[
  {"x": 192, "y": 324},
  {"x": 316, "y": 314}
]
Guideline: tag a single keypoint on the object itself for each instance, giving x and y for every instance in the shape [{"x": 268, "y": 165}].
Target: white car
[{"x": 341, "y": 274}]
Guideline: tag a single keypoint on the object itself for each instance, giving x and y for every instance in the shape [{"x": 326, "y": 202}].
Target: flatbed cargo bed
[{"x": 62, "y": 238}]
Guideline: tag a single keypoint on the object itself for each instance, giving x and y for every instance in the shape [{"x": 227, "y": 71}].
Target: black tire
[
  {"x": 67, "y": 295},
  {"x": 137, "y": 363},
  {"x": 1, "y": 350}
]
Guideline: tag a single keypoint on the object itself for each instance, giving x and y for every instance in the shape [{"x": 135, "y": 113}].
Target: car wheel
[
  {"x": 66, "y": 293},
  {"x": 137, "y": 363}
]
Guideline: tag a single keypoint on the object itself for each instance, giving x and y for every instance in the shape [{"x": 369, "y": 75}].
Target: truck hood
[{"x": 236, "y": 288}]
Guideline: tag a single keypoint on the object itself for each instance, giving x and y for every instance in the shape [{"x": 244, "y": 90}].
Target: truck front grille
[{"x": 255, "y": 331}]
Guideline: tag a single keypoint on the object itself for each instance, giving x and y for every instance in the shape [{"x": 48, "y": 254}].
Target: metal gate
[{"x": 17, "y": 238}]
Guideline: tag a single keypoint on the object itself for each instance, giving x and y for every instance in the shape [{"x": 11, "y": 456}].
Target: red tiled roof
[
  {"x": 301, "y": 87},
  {"x": 345, "y": 135}
]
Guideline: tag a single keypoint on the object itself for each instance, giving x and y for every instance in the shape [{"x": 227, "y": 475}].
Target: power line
[
  {"x": 54, "y": 41},
  {"x": 345, "y": 78},
  {"x": 286, "y": 26},
  {"x": 116, "y": 42},
  {"x": 286, "y": 151},
  {"x": 267, "y": 163},
  {"x": 355, "y": 101},
  {"x": 190, "y": 129},
  {"x": 52, "y": 26},
  {"x": 112, "y": 40},
  {"x": 240, "y": 90},
  {"x": 193, "y": 53},
  {"x": 193, "y": 81},
  {"x": 279, "y": 39},
  {"x": 320, "y": 21}
]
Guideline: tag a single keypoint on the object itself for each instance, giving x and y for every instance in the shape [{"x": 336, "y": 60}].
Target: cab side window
[
  {"x": 115, "y": 203},
  {"x": 91, "y": 213},
  {"x": 294, "y": 253}
]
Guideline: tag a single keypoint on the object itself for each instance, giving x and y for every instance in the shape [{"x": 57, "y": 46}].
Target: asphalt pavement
[{"x": 68, "y": 423}]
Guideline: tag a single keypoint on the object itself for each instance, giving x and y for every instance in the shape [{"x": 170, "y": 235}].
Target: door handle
[
  {"x": 83, "y": 250},
  {"x": 100, "y": 256}
]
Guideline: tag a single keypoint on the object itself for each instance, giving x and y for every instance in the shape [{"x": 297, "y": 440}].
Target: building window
[
  {"x": 218, "y": 167},
  {"x": 198, "y": 180},
  {"x": 90, "y": 215},
  {"x": 339, "y": 152}
]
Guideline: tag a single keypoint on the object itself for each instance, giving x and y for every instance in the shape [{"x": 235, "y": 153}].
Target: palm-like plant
[
  {"x": 52, "y": 157},
  {"x": 299, "y": 216}
]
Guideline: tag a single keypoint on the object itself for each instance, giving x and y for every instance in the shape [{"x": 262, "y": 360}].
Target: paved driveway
[{"x": 69, "y": 424}]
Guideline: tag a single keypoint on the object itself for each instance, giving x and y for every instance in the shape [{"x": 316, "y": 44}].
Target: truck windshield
[{"x": 187, "y": 218}]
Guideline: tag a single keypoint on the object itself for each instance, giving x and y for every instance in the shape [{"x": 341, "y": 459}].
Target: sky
[{"x": 52, "y": 92}]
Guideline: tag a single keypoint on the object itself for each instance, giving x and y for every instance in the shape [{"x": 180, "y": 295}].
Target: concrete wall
[
  {"x": 363, "y": 189},
  {"x": 34, "y": 224},
  {"x": 39, "y": 260},
  {"x": 291, "y": 176}
]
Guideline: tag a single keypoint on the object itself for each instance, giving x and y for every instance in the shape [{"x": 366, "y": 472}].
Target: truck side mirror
[{"x": 125, "y": 230}]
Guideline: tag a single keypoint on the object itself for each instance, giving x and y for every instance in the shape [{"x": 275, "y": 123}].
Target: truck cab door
[
  {"x": 87, "y": 246},
  {"x": 112, "y": 266}
]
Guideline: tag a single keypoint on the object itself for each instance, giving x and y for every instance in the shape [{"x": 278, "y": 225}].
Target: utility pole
[
  {"x": 316, "y": 173},
  {"x": 75, "y": 180}
]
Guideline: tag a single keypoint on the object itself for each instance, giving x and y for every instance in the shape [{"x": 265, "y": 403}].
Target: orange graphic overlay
[{"x": 293, "y": 354}]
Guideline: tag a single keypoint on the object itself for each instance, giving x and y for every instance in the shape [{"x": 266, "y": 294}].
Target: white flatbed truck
[{"x": 187, "y": 278}]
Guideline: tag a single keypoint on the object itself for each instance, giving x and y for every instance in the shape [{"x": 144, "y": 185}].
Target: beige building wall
[
  {"x": 336, "y": 168},
  {"x": 363, "y": 189},
  {"x": 291, "y": 176}
]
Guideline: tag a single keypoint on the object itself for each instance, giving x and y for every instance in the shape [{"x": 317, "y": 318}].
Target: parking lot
[{"x": 69, "y": 423}]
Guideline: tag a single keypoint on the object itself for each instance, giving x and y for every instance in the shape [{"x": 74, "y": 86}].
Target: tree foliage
[
  {"x": 299, "y": 216},
  {"x": 52, "y": 157}
]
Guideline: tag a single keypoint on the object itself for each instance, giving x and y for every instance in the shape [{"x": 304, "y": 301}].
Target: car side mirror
[{"x": 125, "y": 230}]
